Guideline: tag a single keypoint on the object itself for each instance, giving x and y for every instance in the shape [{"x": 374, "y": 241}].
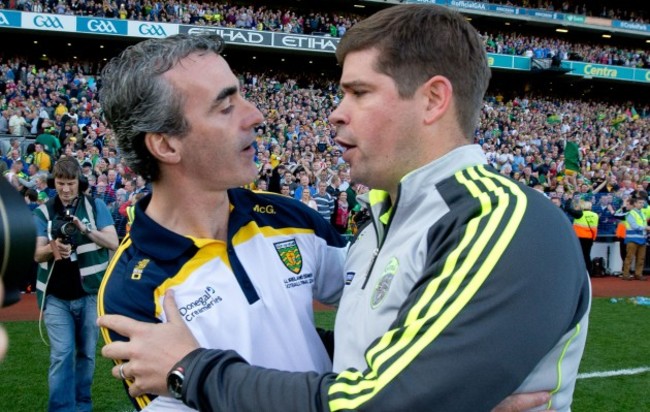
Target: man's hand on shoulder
[
  {"x": 521, "y": 402},
  {"x": 152, "y": 349}
]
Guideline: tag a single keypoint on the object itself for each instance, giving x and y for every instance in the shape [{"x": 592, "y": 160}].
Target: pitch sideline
[{"x": 618, "y": 372}]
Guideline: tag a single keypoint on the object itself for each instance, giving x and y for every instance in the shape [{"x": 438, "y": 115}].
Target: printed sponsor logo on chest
[
  {"x": 209, "y": 298},
  {"x": 383, "y": 284}
]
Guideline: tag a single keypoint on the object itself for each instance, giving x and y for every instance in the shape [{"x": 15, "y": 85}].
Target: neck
[{"x": 209, "y": 211}]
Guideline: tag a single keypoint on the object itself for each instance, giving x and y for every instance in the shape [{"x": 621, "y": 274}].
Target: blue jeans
[{"x": 73, "y": 337}]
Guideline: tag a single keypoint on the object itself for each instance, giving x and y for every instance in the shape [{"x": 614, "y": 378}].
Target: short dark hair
[
  {"x": 419, "y": 41},
  {"x": 66, "y": 169}
]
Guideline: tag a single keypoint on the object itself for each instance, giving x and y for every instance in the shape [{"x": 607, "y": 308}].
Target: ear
[
  {"x": 163, "y": 147},
  {"x": 438, "y": 92}
]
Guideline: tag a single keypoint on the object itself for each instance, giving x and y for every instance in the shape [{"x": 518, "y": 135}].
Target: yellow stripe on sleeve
[{"x": 496, "y": 240}]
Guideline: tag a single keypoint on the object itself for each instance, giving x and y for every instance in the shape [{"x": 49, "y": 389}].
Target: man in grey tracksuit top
[
  {"x": 464, "y": 282},
  {"x": 467, "y": 287}
]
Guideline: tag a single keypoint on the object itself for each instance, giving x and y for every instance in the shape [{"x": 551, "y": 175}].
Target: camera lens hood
[{"x": 17, "y": 241}]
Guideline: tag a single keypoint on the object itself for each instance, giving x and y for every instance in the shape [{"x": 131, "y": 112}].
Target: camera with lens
[
  {"x": 17, "y": 242},
  {"x": 63, "y": 226}
]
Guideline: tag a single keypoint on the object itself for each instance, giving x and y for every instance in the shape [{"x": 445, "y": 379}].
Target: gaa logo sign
[
  {"x": 152, "y": 30},
  {"x": 101, "y": 26},
  {"x": 48, "y": 22}
]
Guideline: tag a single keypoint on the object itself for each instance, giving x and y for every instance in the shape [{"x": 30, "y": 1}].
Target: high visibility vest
[
  {"x": 636, "y": 235},
  {"x": 646, "y": 213},
  {"x": 586, "y": 227},
  {"x": 621, "y": 228}
]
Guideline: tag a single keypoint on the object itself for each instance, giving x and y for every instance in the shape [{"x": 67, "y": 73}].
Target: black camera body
[{"x": 63, "y": 226}]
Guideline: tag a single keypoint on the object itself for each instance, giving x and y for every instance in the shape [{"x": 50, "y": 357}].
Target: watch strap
[{"x": 177, "y": 376}]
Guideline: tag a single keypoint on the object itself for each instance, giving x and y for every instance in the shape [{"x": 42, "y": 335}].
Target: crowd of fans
[
  {"x": 599, "y": 8},
  {"x": 299, "y": 21},
  {"x": 523, "y": 137},
  {"x": 549, "y": 47}
]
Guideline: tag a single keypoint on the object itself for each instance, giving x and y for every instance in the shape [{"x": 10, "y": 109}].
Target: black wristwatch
[{"x": 175, "y": 380}]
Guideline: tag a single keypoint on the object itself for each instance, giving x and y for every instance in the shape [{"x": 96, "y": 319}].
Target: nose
[
  {"x": 256, "y": 116},
  {"x": 338, "y": 117}
]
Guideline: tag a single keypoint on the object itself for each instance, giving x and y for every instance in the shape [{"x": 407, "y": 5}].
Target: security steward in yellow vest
[
  {"x": 586, "y": 227},
  {"x": 635, "y": 240}
]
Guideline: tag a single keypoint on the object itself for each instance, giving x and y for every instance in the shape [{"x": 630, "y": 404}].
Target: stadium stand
[{"x": 528, "y": 114}]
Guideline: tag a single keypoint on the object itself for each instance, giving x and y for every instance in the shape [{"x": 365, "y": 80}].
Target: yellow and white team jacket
[{"x": 253, "y": 294}]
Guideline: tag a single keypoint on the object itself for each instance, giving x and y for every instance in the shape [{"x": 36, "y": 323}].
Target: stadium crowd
[
  {"x": 304, "y": 21},
  {"x": 296, "y": 19},
  {"x": 582, "y": 154},
  {"x": 598, "y": 8},
  {"x": 548, "y": 47}
]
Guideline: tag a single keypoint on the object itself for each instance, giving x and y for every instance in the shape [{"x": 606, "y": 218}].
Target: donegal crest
[{"x": 290, "y": 255}]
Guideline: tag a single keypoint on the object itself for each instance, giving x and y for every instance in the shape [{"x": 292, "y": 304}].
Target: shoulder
[
  {"x": 279, "y": 212},
  {"x": 100, "y": 205},
  {"x": 41, "y": 212}
]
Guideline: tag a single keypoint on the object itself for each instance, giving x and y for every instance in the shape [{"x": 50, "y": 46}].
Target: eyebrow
[
  {"x": 353, "y": 83},
  {"x": 225, "y": 93}
]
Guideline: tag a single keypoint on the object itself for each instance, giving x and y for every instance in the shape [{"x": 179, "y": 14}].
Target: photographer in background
[{"x": 74, "y": 233}]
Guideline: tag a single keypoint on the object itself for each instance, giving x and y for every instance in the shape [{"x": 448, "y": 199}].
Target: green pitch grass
[{"x": 619, "y": 339}]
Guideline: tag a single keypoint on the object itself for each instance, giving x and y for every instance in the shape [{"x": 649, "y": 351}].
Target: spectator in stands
[
  {"x": 3, "y": 163},
  {"x": 51, "y": 143},
  {"x": 262, "y": 185},
  {"x": 141, "y": 185},
  {"x": 606, "y": 212},
  {"x": 306, "y": 198},
  {"x": 4, "y": 121},
  {"x": 305, "y": 185},
  {"x": 18, "y": 125},
  {"x": 41, "y": 158},
  {"x": 15, "y": 173},
  {"x": 334, "y": 186},
  {"x": 42, "y": 186},
  {"x": 341, "y": 213},
  {"x": 324, "y": 201},
  {"x": 29, "y": 181},
  {"x": 529, "y": 179}
]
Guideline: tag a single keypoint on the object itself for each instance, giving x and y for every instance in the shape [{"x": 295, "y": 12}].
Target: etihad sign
[
  {"x": 310, "y": 42},
  {"x": 232, "y": 35},
  {"x": 265, "y": 38}
]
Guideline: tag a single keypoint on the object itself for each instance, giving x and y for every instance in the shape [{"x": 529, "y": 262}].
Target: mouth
[
  {"x": 346, "y": 148},
  {"x": 248, "y": 148}
]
